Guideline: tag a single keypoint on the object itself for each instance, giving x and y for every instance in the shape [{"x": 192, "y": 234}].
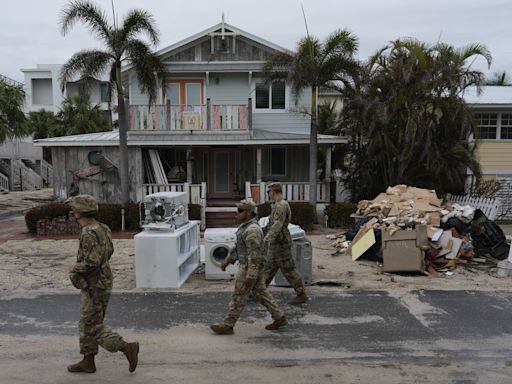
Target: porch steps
[{"x": 221, "y": 217}]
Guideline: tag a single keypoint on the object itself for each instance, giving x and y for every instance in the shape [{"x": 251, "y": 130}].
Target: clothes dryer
[{"x": 217, "y": 243}]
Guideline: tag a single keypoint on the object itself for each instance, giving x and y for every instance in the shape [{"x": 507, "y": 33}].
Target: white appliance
[
  {"x": 165, "y": 211},
  {"x": 217, "y": 243},
  {"x": 165, "y": 259}
]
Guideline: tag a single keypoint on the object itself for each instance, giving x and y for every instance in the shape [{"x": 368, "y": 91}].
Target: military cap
[
  {"x": 82, "y": 203},
  {"x": 275, "y": 186},
  {"x": 247, "y": 204}
]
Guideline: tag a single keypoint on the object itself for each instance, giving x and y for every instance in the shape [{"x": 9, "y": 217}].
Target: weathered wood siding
[
  {"x": 106, "y": 186},
  {"x": 297, "y": 164},
  {"x": 229, "y": 89}
]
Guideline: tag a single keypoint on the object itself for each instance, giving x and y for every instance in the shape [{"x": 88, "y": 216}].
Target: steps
[{"x": 221, "y": 217}]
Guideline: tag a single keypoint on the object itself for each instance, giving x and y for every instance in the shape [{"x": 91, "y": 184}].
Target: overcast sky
[{"x": 30, "y": 34}]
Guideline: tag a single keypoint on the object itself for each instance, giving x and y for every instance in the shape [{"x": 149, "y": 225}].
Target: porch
[
  {"x": 204, "y": 117},
  {"x": 221, "y": 212}
]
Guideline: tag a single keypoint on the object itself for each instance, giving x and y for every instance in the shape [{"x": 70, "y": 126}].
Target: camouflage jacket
[
  {"x": 94, "y": 252},
  {"x": 276, "y": 230},
  {"x": 248, "y": 248}
]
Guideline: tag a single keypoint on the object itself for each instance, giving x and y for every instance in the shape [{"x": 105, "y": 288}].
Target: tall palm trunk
[
  {"x": 123, "y": 141},
  {"x": 313, "y": 149}
]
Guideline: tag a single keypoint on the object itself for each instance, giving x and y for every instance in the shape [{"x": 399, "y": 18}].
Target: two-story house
[{"x": 216, "y": 125}]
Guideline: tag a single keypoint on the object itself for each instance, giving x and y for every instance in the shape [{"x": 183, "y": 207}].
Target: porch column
[
  {"x": 258, "y": 164},
  {"x": 190, "y": 163},
  {"x": 328, "y": 160}
]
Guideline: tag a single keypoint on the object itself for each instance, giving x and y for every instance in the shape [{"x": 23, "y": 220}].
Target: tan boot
[
  {"x": 222, "y": 329},
  {"x": 86, "y": 365},
  {"x": 131, "y": 351},
  {"x": 299, "y": 299},
  {"x": 281, "y": 322}
]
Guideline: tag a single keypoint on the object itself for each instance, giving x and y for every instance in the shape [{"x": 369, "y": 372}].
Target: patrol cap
[
  {"x": 275, "y": 186},
  {"x": 247, "y": 205},
  {"x": 82, "y": 203}
]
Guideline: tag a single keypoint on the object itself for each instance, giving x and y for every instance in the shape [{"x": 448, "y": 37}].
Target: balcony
[{"x": 205, "y": 117}]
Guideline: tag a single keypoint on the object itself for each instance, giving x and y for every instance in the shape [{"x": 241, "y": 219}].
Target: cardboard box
[{"x": 402, "y": 251}]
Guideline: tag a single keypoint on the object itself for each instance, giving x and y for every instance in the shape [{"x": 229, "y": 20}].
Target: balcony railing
[{"x": 205, "y": 117}]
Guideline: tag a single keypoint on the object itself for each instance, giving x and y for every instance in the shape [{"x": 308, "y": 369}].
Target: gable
[{"x": 220, "y": 43}]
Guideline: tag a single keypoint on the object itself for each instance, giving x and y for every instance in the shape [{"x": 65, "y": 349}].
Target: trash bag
[{"x": 488, "y": 238}]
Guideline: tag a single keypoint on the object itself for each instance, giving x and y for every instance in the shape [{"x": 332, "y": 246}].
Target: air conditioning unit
[{"x": 165, "y": 211}]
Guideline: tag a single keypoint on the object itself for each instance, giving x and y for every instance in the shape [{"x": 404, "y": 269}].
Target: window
[
  {"x": 506, "y": 126},
  {"x": 487, "y": 124},
  {"x": 105, "y": 92},
  {"x": 278, "y": 161},
  {"x": 271, "y": 96}
]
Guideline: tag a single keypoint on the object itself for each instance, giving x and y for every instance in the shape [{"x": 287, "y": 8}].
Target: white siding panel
[{"x": 232, "y": 88}]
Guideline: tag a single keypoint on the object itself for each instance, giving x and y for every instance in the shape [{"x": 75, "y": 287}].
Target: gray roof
[
  {"x": 500, "y": 96},
  {"x": 197, "y": 138}
]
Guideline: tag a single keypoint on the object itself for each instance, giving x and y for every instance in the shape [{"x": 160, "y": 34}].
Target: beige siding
[{"x": 495, "y": 156}]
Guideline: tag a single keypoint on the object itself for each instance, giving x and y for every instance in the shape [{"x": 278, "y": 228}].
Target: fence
[
  {"x": 292, "y": 191},
  {"x": 489, "y": 206}
]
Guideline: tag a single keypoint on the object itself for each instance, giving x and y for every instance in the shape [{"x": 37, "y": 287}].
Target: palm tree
[
  {"x": 12, "y": 118},
  {"x": 315, "y": 65},
  {"x": 77, "y": 116},
  {"x": 499, "y": 78},
  {"x": 42, "y": 124},
  {"x": 122, "y": 47}
]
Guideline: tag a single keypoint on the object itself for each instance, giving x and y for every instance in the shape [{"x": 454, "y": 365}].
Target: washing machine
[{"x": 217, "y": 243}]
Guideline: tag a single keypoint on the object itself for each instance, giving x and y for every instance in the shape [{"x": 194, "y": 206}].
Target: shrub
[
  {"x": 302, "y": 213},
  {"x": 49, "y": 211},
  {"x": 338, "y": 214}
]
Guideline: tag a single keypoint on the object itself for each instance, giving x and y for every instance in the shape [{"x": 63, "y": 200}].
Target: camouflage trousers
[
  {"x": 240, "y": 295},
  {"x": 279, "y": 257},
  {"x": 93, "y": 305}
]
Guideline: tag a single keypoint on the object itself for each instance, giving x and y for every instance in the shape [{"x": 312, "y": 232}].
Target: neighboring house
[
  {"x": 493, "y": 114},
  {"x": 216, "y": 126},
  {"x": 21, "y": 163},
  {"x": 43, "y": 91}
]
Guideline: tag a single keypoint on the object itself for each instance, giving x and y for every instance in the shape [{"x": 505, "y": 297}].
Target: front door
[{"x": 222, "y": 178}]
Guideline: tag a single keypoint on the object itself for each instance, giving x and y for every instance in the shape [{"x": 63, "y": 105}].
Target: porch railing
[
  {"x": 196, "y": 194},
  {"x": 47, "y": 173},
  {"x": 4, "y": 183},
  {"x": 292, "y": 191},
  {"x": 205, "y": 117}
]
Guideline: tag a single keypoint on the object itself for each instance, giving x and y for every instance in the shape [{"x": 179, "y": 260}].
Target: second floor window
[
  {"x": 271, "y": 96},
  {"x": 487, "y": 124},
  {"x": 506, "y": 126},
  {"x": 105, "y": 93}
]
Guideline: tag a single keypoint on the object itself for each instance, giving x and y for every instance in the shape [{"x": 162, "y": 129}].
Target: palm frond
[
  {"x": 87, "y": 12},
  {"x": 84, "y": 64},
  {"x": 140, "y": 21}
]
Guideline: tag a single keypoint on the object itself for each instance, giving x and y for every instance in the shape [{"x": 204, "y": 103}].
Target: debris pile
[{"x": 409, "y": 229}]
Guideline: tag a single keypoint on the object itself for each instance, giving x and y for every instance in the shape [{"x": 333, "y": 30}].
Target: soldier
[
  {"x": 278, "y": 242},
  {"x": 92, "y": 275},
  {"x": 249, "y": 278}
]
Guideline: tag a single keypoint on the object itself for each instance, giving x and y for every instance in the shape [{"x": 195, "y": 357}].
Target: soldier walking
[
  {"x": 249, "y": 278},
  {"x": 92, "y": 275},
  {"x": 278, "y": 242}
]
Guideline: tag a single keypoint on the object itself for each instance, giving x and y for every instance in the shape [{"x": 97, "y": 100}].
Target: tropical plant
[
  {"x": 43, "y": 124},
  {"x": 77, "y": 116},
  {"x": 12, "y": 118},
  {"x": 122, "y": 47},
  {"x": 499, "y": 78},
  {"x": 407, "y": 121},
  {"x": 314, "y": 65}
]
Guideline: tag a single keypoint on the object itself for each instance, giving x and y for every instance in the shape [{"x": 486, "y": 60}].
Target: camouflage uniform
[
  {"x": 279, "y": 250},
  {"x": 248, "y": 252},
  {"x": 93, "y": 265}
]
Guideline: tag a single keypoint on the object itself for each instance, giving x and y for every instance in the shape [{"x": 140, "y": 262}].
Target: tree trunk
[
  {"x": 313, "y": 150},
  {"x": 123, "y": 150}
]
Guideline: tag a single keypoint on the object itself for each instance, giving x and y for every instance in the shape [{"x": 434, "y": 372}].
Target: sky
[{"x": 30, "y": 33}]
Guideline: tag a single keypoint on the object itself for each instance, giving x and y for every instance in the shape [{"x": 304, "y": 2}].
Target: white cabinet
[{"x": 165, "y": 259}]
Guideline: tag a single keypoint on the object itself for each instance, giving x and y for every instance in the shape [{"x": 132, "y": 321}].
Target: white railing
[
  {"x": 292, "y": 191},
  {"x": 189, "y": 117},
  {"x": 4, "y": 183},
  {"x": 489, "y": 206},
  {"x": 47, "y": 173},
  {"x": 28, "y": 178},
  {"x": 196, "y": 194}
]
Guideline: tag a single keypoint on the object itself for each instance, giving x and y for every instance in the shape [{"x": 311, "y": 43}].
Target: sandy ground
[{"x": 41, "y": 265}]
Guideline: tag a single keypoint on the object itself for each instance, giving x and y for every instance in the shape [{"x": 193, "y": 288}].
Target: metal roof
[
  {"x": 494, "y": 95},
  {"x": 196, "y": 138}
]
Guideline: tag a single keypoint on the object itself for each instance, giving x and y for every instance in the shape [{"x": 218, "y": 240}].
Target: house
[
  {"x": 22, "y": 166},
  {"x": 493, "y": 115},
  {"x": 217, "y": 128}
]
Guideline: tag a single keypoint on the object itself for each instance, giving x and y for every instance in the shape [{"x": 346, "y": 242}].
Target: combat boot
[
  {"x": 131, "y": 351},
  {"x": 299, "y": 299},
  {"x": 222, "y": 329},
  {"x": 281, "y": 322},
  {"x": 86, "y": 365}
]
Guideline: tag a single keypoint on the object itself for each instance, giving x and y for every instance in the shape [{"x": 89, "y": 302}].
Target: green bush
[
  {"x": 49, "y": 211},
  {"x": 302, "y": 213},
  {"x": 338, "y": 214}
]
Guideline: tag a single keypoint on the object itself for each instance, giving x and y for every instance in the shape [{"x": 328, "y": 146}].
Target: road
[{"x": 337, "y": 337}]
